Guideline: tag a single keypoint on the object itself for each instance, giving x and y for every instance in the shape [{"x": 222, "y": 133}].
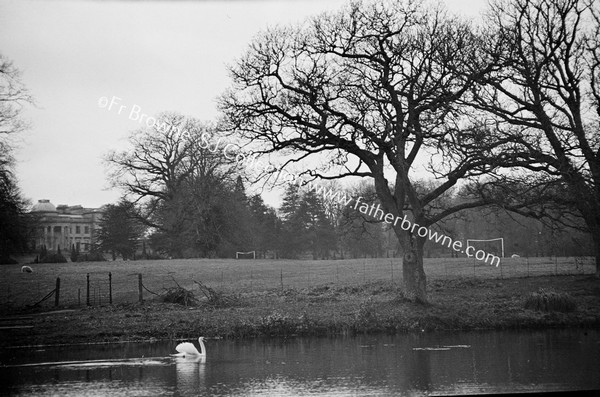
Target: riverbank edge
[{"x": 373, "y": 308}]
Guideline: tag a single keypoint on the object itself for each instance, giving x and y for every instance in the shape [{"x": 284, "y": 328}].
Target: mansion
[{"x": 65, "y": 226}]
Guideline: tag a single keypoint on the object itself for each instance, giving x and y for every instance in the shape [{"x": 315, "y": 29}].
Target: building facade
[{"x": 65, "y": 226}]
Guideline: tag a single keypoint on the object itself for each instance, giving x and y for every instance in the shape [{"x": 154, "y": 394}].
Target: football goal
[
  {"x": 245, "y": 255},
  {"x": 493, "y": 246}
]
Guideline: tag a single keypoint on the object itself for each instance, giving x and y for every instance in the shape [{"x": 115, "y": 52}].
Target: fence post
[
  {"x": 57, "y": 292},
  {"x": 87, "y": 299},
  {"x": 110, "y": 288},
  {"x": 281, "y": 278},
  {"x": 140, "y": 297}
]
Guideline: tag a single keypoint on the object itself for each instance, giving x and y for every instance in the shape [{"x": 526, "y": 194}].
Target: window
[
  {"x": 87, "y": 230},
  {"x": 77, "y": 229}
]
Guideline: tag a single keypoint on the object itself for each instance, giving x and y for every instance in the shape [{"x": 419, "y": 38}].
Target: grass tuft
[{"x": 550, "y": 301}]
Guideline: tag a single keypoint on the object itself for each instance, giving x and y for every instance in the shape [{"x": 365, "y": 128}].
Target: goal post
[
  {"x": 485, "y": 247},
  {"x": 245, "y": 255}
]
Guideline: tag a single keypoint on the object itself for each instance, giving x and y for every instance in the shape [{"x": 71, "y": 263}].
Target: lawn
[
  {"x": 18, "y": 290},
  {"x": 266, "y": 297}
]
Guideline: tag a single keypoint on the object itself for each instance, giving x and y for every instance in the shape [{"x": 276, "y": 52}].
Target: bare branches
[
  {"x": 377, "y": 82},
  {"x": 13, "y": 96},
  {"x": 177, "y": 156},
  {"x": 543, "y": 94}
]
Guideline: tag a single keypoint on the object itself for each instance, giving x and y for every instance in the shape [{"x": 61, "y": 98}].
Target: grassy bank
[{"x": 372, "y": 306}]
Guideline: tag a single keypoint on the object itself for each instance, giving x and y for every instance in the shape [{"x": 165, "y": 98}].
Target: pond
[{"x": 380, "y": 365}]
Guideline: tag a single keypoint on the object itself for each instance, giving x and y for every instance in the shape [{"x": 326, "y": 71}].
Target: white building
[{"x": 65, "y": 226}]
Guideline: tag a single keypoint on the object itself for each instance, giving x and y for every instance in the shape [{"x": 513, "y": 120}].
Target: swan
[{"x": 187, "y": 349}]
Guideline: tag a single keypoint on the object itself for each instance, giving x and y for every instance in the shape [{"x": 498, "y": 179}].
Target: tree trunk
[
  {"x": 415, "y": 282},
  {"x": 596, "y": 240}
]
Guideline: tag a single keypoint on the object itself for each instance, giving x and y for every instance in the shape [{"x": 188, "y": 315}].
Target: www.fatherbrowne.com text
[{"x": 377, "y": 212}]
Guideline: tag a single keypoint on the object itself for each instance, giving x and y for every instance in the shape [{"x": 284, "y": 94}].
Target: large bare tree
[
  {"x": 372, "y": 89},
  {"x": 13, "y": 97},
  {"x": 175, "y": 172},
  {"x": 543, "y": 99}
]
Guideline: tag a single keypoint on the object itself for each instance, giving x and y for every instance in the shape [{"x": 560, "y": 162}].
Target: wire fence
[{"x": 105, "y": 283}]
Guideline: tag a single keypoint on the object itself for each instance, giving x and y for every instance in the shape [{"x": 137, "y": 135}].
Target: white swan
[{"x": 187, "y": 349}]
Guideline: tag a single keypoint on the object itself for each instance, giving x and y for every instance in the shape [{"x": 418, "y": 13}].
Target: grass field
[
  {"x": 19, "y": 290},
  {"x": 265, "y": 298}
]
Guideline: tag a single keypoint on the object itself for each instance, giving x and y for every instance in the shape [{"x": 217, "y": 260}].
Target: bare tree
[
  {"x": 543, "y": 96},
  {"x": 372, "y": 89},
  {"x": 174, "y": 172},
  {"x": 13, "y": 96},
  {"x": 13, "y": 224}
]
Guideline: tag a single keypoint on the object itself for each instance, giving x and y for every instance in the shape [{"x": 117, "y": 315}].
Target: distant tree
[
  {"x": 294, "y": 240},
  {"x": 239, "y": 218},
  {"x": 14, "y": 224},
  {"x": 319, "y": 230},
  {"x": 266, "y": 227},
  {"x": 360, "y": 235},
  {"x": 75, "y": 253},
  {"x": 181, "y": 178},
  {"x": 306, "y": 226},
  {"x": 120, "y": 229},
  {"x": 51, "y": 257}
]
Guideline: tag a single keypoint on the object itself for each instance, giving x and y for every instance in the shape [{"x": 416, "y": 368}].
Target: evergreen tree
[
  {"x": 320, "y": 233},
  {"x": 306, "y": 226},
  {"x": 266, "y": 227},
  {"x": 120, "y": 229},
  {"x": 294, "y": 239}
]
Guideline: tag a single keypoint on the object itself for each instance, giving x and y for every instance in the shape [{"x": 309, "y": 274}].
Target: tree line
[{"x": 312, "y": 225}]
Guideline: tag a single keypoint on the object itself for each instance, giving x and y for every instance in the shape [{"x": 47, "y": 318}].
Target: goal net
[
  {"x": 494, "y": 246},
  {"x": 245, "y": 255}
]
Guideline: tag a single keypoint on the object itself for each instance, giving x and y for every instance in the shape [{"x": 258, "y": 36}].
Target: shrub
[
  {"x": 180, "y": 296},
  {"x": 277, "y": 324},
  {"x": 549, "y": 301},
  {"x": 46, "y": 257},
  {"x": 74, "y": 253},
  {"x": 94, "y": 256}
]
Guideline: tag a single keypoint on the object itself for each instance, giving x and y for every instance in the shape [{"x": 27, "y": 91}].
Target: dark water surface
[{"x": 415, "y": 364}]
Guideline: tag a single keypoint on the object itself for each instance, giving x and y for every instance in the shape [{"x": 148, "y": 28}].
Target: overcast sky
[{"x": 158, "y": 56}]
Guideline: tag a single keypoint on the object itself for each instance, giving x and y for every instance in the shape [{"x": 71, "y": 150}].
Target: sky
[{"x": 152, "y": 55}]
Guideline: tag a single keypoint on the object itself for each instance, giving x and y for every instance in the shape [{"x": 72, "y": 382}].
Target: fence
[{"x": 105, "y": 283}]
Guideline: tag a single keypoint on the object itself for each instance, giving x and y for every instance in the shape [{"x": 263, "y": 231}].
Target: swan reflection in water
[{"x": 190, "y": 366}]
